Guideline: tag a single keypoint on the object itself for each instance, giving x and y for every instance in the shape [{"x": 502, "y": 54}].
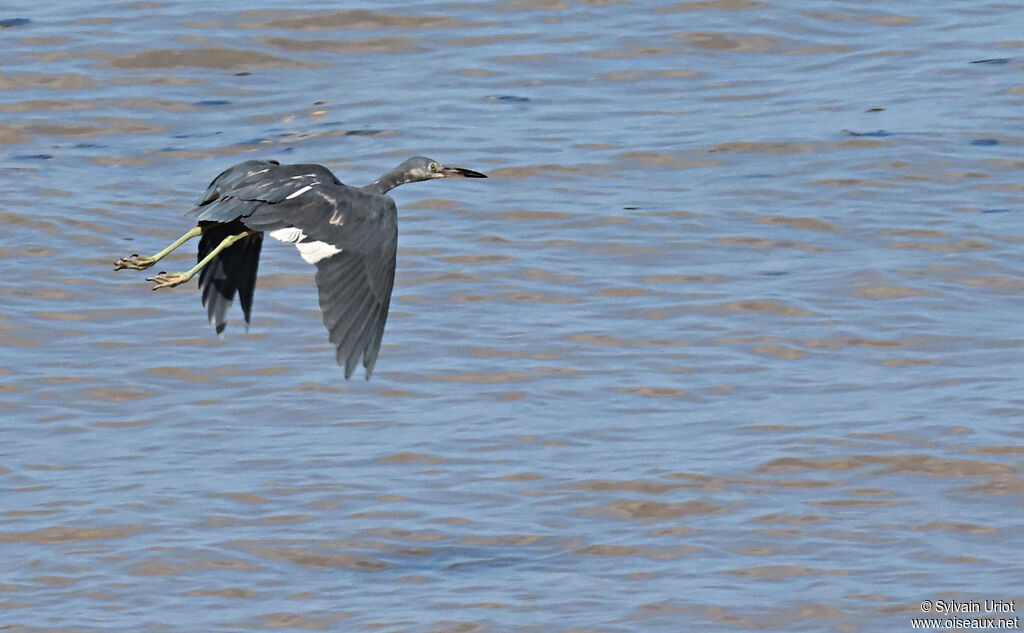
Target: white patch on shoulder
[
  {"x": 299, "y": 192},
  {"x": 290, "y": 235},
  {"x": 313, "y": 252}
]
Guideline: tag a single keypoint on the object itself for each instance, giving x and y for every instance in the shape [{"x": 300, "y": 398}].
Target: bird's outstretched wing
[
  {"x": 355, "y": 292},
  {"x": 352, "y": 237},
  {"x": 349, "y": 234}
]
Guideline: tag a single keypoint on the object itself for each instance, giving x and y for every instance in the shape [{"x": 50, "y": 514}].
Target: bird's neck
[{"x": 385, "y": 183}]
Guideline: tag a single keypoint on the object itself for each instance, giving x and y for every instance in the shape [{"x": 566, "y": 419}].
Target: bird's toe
[
  {"x": 167, "y": 280},
  {"x": 134, "y": 262}
]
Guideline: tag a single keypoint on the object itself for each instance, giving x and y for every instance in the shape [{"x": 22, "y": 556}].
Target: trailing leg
[
  {"x": 169, "y": 280},
  {"x": 135, "y": 262}
]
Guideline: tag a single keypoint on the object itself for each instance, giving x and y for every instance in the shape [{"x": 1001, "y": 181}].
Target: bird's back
[{"x": 238, "y": 189}]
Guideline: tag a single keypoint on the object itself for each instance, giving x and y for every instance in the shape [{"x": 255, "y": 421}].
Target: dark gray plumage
[{"x": 349, "y": 233}]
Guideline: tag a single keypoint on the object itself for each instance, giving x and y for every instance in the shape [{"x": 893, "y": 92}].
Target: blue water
[{"x": 727, "y": 341}]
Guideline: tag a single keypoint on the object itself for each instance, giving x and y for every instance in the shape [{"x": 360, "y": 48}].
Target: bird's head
[{"x": 419, "y": 168}]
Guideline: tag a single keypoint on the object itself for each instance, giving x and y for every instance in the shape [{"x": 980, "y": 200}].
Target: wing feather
[
  {"x": 354, "y": 296},
  {"x": 232, "y": 270}
]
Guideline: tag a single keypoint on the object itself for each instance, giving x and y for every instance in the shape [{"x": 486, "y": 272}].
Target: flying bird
[{"x": 349, "y": 233}]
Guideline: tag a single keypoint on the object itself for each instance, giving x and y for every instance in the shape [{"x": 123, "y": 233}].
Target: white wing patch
[
  {"x": 289, "y": 235},
  {"x": 299, "y": 192},
  {"x": 311, "y": 252}
]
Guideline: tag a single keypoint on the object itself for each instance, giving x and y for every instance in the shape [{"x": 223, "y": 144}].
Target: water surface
[{"x": 730, "y": 339}]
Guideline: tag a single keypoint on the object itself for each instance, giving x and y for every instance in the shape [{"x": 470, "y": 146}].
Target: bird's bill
[{"x": 459, "y": 172}]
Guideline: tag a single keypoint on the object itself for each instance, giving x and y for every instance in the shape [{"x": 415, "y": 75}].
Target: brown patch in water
[
  {"x": 765, "y": 306},
  {"x": 684, "y": 279},
  {"x": 783, "y": 572},
  {"x": 479, "y": 378},
  {"x": 908, "y": 362},
  {"x": 809, "y": 224},
  {"x": 761, "y": 242},
  {"x": 719, "y": 5},
  {"x": 122, "y": 425},
  {"x": 643, "y": 509},
  {"x": 300, "y": 621},
  {"x": 999, "y": 282},
  {"x": 949, "y": 247},
  {"x": 19, "y": 219},
  {"x": 308, "y": 557},
  {"x": 608, "y": 485},
  {"x": 641, "y": 51},
  {"x": 285, "y": 518},
  {"x": 407, "y": 457},
  {"x": 150, "y": 103},
  {"x": 229, "y": 592},
  {"x": 541, "y": 274},
  {"x": 622, "y": 292},
  {"x": 58, "y": 535},
  {"x": 648, "y": 75},
  {"x": 952, "y": 526},
  {"x": 735, "y": 42},
  {"x": 523, "y": 477},
  {"x": 926, "y": 233},
  {"x": 657, "y": 392},
  {"x": 533, "y": 215},
  {"x": 771, "y": 148},
  {"x": 1000, "y": 449},
  {"x": 10, "y": 135},
  {"x": 477, "y": 259},
  {"x": 671, "y": 161},
  {"x": 855, "y": 503},
  {"x": 892, "y": 20},
  {"x": 820, "y": 50},
  {"x": 344, "y": 47},
  {"x": 55, "y": 581},
  {"x": 607, "y": 340},
  {"x": 486, "y": 352},
  {"x": 914, "y": 464},
  {"x": 508, "y": 540},
  {"x": 226, "y": 58},
  {"x": 537, "y": 297},
  {"x": 779, "y": 351},
  {"x": 321, "y": 387},
  {"x": 359, "y": 19},
  {"x": 794, "y": 519},
  {"x": 114, "y": 395},
  {"x": 852, "y": 182},
  {"x": 53, "y": 82},
  {"x": 45, "y": 105},
  {"x": 891, "y": 292},
  {"x": 180, "y": 373},
  {"x": 246, "y": 497}
]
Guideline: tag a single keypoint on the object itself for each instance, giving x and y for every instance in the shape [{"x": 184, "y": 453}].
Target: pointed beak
[{"x": 459, "y": 172}]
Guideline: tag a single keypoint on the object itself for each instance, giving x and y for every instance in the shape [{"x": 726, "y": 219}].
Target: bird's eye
[{"x": 434, "y": 167}]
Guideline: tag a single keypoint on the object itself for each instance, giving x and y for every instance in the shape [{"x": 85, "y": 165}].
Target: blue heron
[{"x": 349, "y": 233}]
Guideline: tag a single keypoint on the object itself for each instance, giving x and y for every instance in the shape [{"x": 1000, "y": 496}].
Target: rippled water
[{"x": 729, "y": 340}]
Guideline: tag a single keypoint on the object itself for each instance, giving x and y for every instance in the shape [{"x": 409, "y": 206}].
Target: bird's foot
[
  {"x": 168, "y": 280},
  {"x": 134, "y": 262}
]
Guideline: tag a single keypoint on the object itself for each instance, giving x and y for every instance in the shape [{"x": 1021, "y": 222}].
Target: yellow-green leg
[
  {"x": 141, "y": 263},
  {"x": 170, "y": 280}
]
